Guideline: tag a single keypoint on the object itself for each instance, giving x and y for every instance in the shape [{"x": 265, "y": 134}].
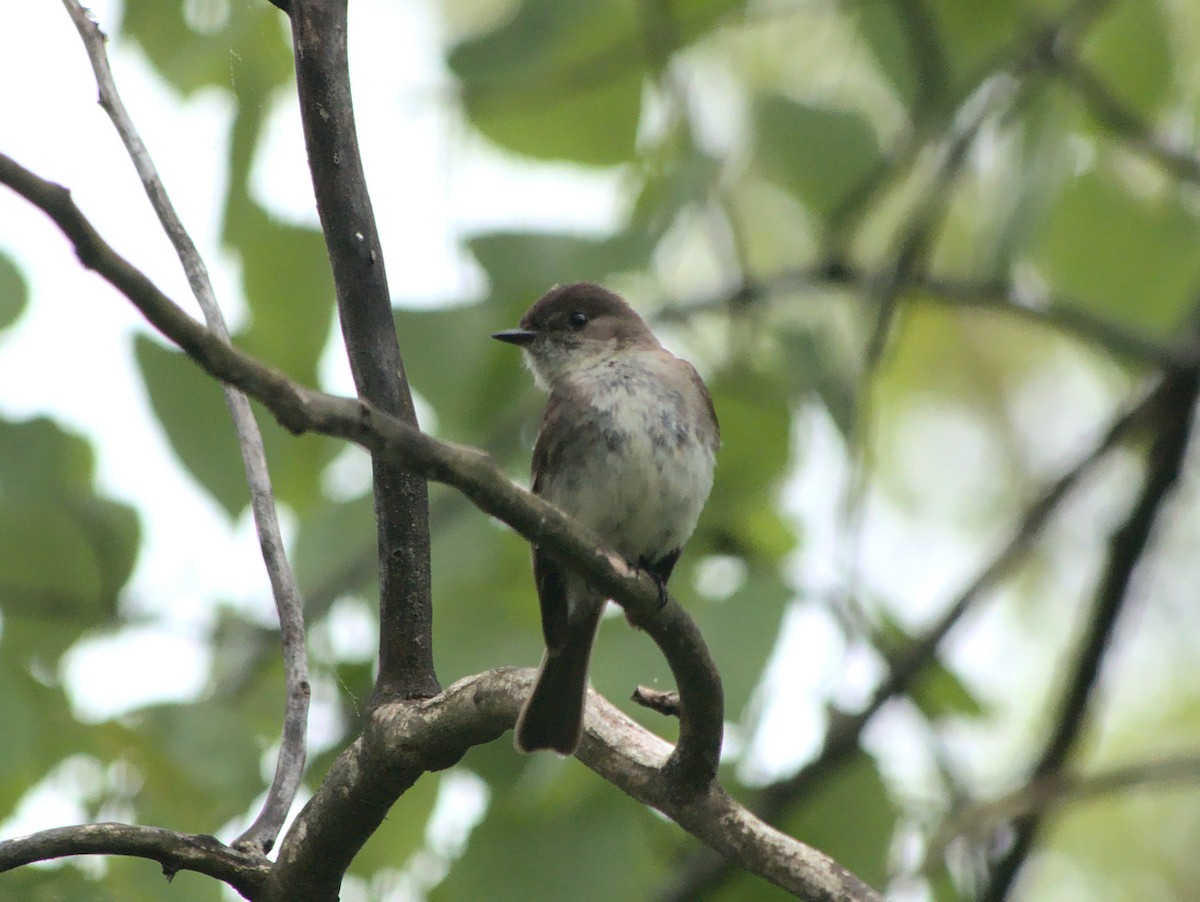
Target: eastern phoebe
[{"x": 626, "y": 447}]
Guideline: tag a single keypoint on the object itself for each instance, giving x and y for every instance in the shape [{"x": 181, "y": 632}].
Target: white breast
[{"x": 644, "y": 462}]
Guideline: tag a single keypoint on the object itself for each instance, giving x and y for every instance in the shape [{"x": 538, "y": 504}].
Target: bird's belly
[{"x": 644, "y": 484}]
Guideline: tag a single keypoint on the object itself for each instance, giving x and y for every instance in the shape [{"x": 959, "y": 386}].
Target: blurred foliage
[{"x": 772, "y": 158}]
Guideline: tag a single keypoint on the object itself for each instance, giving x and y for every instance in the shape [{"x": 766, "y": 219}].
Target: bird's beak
[{"x": 518, "y": 337}]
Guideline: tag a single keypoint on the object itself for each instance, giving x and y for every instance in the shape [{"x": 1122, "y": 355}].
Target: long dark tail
[{"x": 552, "y": 716}]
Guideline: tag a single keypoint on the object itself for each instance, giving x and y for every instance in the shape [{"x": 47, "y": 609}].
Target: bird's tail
[{"x": 552, "y": 716}]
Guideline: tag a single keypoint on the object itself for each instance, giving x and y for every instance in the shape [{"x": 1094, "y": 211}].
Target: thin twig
[
  {"x": 1127, "y": 548},
  {"x": 245, "y": 872},
  {"x": 1053, "y": 791},
  {"x": 1064, "y": 314},
  {"x": 289, "y": 767},
  {"x": 1122, "y": 121}
]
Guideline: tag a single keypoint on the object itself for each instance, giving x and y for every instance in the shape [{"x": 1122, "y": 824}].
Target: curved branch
[
  {"x": 404, "y": 740},
  {"x": 289, "y": 767},
  {"x": 245, "y": 872}
]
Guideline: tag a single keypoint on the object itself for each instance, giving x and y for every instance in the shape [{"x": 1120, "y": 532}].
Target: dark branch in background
[
  {"x": 246, "y": 873},
  {"x": 1122, "y": 121},
  {"x": 1056, "y": 790},
  {"x": 703, "y": 871},
  {"x": 689, "y": 772},
  {"x": 364, "y": 306},
  {"x": 1127, "y": 548},
  {"x": 1070, "y": 317},
  {"x": 289, "y": 767}
]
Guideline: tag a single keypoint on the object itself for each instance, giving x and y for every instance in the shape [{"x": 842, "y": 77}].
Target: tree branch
[
  {"x": 1123, "y": 122},
  {"x": 245, "y": 872},
  {"x": 289, "y": 767},
  {"x": 1127, "y": 547},
  {"x": 1056, "y": 312},
  {"x": 1053, "y": 791},
  {"x": 364, "y": 307},
  {"x": 402, "y": 741}
]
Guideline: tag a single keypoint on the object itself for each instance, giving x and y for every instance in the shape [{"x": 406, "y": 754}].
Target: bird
[{"x": 626, "y": 447}]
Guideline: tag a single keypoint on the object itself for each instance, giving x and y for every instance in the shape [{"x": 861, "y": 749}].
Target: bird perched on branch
[{"x": 626, "y": 447}]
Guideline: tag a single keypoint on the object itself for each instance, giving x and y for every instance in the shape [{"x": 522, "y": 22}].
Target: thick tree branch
[
  {"x": 245, "y": 872},
  {"x": 289, "y": 768},
  {"x": 365, "y": 309},
  {"x": 402, "y": 741},
  {"x": 1127, "y": 548}
]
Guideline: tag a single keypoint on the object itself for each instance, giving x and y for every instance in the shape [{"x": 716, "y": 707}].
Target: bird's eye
[{"x": 578, "y": 320}]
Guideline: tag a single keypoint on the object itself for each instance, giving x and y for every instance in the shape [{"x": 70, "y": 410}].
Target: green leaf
[
  {"x": 48, "y": 566},
  {"x": 1130, "y": 47},
  {"x": 882, "y": 26},
  {"x": 65, "y": 552},
  {"x": 1128, "y": 255},
  {"x": 39, "y": 729},
  {"x": 741, "y": 632},
  {"x": 940, "y": 693},
  {"x": 814, "y": 366},
  {"x": 528, "y": 263},
  {"x": 38, "y": 457},
  {"x": 289, "y": 288},
  {"x": 336, "y": 547},
  {"x": 819, "y": 154},
  {"x": 402, "y": 832},
  {"x": 210, "y": 43},
  {"x": 577, "y": 840},
  {"x": 970, "y": 35},
  {"x": 741, "y": 517},
  {"x": 190, "y": 405},
  {"x": 199, "y": 762},
  {"x": 14, "y": 293},
  {"x": 558, "y": 80},
  {"x": 849, "y": 817}
]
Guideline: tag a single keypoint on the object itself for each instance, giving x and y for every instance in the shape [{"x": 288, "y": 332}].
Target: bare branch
[
  {"x": 245, "y": 872},
  {"x": 365, "y": 309},
  {"x": 289, "y": 768},
  {"x": 402, "y": 741},
  {"x": 665, "y": 702},
  {"x": 1127, "y": 548}
]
